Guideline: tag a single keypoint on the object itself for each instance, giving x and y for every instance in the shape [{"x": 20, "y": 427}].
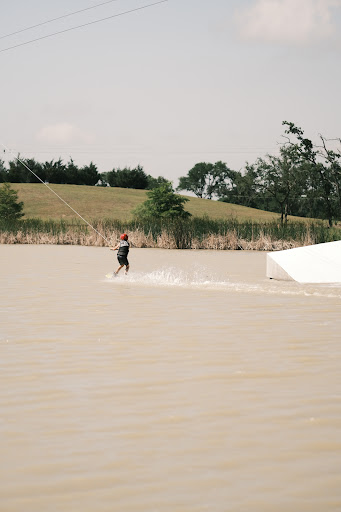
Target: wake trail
[{"x": 203, "y": 279}]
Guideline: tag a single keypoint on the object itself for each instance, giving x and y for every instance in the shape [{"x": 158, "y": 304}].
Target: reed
[{"x": 192, "y": 233}]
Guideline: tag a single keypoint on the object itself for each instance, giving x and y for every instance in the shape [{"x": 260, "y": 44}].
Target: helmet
[{"x": 124, "y": 236}]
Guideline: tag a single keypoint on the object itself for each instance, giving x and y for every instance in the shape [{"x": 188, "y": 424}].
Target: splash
[
  {"x": 171, "y": 277},
  {"x": 204, "y": 279}
]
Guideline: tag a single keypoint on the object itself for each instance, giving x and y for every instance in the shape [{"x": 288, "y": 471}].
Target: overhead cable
[
  {"x": 56, "y": 19},
  {"x": 84, "y": 25}
]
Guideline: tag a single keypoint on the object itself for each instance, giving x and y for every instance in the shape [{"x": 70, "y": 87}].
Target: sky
[{"x": 169, "y": 85}]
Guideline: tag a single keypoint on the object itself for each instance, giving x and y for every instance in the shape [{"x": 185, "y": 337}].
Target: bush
[
  {"x": 10, "y": 207},
  {"x": 163, "y": 203}
]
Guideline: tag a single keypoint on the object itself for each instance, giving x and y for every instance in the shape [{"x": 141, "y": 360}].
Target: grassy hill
[
  {"x": 116, "y": 203},
  {"x": 213, "y": 225}
]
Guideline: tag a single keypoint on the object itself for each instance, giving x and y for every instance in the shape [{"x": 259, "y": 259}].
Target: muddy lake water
[{"x": 192, "y": 384}]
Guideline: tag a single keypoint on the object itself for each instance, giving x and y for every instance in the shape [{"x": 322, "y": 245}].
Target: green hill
[{"x": 115, "y": 203}]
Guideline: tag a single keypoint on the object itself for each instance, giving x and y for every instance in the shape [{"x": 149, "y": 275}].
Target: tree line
[
  {"x": 56, "y": 171},
  {"x": 304, "y": 180}
]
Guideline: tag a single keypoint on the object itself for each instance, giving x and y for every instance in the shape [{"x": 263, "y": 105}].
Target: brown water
[{"x": 193, "y": 384}]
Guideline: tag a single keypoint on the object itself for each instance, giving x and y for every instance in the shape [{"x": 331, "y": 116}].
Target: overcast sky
[{"x": 167, "y": 86}]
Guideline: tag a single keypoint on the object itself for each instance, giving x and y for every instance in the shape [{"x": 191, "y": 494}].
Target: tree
[
  {"x": 323, "y": 167},
  {"x": 72, "y": 173},
  {"x": 10, "y": 208},
  {"x": 241, "y": 188},
  {"x": 205, "y": 179},
  {"x": 333, "y": 159},
  {"x": 155, "y": 182},
  {"x": 195, "y": 181},
  {"x": 35, "y": 167},
  {"x": 89, "y": 174},
  {"x": 282, "y": 178},
  {"x": 128, "y": 178},
  {"x": 54, "y": 172},
  {"x": 3, "y": 172},
  {"x": 17, "y": 172},
  {"x": 163, "y": 203}
]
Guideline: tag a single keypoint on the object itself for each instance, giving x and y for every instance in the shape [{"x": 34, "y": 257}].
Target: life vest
[{"x": 123, "y": 248}]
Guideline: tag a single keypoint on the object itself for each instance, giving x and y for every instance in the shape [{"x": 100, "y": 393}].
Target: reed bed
[{"x": 193, "y": 233}]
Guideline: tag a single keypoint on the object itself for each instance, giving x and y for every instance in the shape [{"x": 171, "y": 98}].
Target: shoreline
[
  {"x": 139, "y": 240},
  {"x": 195, "y": 234}
]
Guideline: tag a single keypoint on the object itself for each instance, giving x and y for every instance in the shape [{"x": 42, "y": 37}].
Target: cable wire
[
  {"x": 55, "y": 193},
  {"x": 56, "y": 19},
  {"x": 84, "y": 25}
]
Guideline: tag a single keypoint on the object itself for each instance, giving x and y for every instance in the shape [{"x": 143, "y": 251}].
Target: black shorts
[{"x": 123, "y": 260}]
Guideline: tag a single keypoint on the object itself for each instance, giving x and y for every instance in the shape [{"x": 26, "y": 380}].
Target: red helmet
[{"x": 124, "y": 236}]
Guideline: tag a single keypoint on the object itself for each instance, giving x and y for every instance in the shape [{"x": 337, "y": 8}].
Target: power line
[
  {"x": 84, "y": 25},
  {"x": 56, "y": 19}
]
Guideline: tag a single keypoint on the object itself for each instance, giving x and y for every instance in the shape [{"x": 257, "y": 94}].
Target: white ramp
[{"x": 319, "y": 263}]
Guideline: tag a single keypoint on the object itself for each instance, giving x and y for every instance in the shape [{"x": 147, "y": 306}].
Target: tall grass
[{"x": 192, "y": 233}]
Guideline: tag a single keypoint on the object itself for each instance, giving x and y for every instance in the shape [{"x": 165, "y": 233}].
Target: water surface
[{"x": 192, "y": 384}]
